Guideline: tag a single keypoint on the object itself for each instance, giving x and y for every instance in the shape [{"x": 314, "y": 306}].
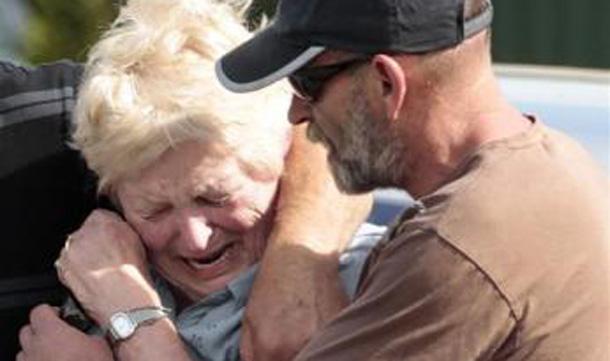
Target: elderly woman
[{"x": 194, "y": 171}]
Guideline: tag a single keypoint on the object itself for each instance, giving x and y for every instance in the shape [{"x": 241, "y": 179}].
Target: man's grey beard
[{"x": 368, "y": 155}]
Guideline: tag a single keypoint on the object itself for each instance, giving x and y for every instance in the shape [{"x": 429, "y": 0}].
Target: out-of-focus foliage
[
  {"x": 558, "y": 32},
  {"x": 548, "y": 32},
  {"x": 65, "y": 28},
  {"x": 260, "y": 9},
  {"x": 553, "y": 32}
]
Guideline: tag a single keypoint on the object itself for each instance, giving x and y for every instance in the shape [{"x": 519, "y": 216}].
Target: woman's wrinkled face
[{"x": 202, "y": 219}]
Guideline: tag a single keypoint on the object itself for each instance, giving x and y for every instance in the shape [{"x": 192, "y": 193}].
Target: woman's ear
[{"x": 392, "y": 80}]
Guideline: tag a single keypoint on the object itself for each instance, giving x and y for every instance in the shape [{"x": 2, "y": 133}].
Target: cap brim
[{"x": 261, "y": 61}]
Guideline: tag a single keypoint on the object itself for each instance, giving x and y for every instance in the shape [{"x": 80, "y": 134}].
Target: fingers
[
  {"x": 25, "y": 337},
  {"x": 48, "y": 338},
  {"x": 102, "y": 239},
  {"x": 21, "y": 356},
  {"x": 42, "y": 312},
  {"x": 62, "y": 255},
  {"x": 43, "y": 317}
]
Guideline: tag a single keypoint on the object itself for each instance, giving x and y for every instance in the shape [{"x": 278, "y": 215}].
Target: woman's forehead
[{"x": 189, "y": 169}]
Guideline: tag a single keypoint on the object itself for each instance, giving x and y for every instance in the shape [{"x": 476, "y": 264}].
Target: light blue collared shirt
[{"x": 211, "y": 328}]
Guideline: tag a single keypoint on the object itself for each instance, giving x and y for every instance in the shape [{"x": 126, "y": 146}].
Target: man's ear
[{"x": 393, "y": 83}]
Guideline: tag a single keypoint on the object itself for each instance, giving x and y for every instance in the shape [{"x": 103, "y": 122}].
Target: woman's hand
[
  {"x": 48, "y": 338},
  {"x": 104, "y": 265}
]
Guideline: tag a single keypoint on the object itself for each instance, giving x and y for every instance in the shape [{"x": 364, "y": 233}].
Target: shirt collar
[
  {"x": 241, "y": 285},
  {"x": 238, "y": 288}
]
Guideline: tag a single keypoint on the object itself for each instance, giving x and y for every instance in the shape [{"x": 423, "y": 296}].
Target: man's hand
[
  {"x": 297, "y": 289},
  {"x": 48, "y": 338},
  {"x": 104, "y": 265},
  {"x": 312, "y": 211}
]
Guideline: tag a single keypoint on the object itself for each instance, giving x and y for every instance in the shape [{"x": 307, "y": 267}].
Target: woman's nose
[{"x": 196, "y": 232}]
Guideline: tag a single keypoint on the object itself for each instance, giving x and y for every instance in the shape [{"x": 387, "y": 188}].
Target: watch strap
[
  {"x": 141, "y": 316},
  {"x": 148, "y": 315}
]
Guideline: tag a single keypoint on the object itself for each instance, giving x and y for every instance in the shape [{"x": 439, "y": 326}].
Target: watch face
[{"x": 122, "y": 325}]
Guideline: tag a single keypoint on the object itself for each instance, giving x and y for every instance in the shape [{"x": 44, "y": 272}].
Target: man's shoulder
[
  {"x": 509, "y": 190},
  {"x": 528, "y": 219}
]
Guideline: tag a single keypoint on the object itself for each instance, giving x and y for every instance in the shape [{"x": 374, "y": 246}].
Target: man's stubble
[{"x": 368, "y": 154}]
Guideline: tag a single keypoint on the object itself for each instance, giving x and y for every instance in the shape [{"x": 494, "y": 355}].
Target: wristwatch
[{"x": 124, "y": 324}]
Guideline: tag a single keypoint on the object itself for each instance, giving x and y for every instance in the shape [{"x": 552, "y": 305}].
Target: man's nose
[
  {"x": 196, "y": 231},
  {"x": 300, "y": 111}
]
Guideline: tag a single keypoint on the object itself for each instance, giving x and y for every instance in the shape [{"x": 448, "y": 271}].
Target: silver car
[{"x": 575, "y": 101}]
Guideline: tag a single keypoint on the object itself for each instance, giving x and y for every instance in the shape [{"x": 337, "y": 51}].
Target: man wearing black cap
[{"x": 505, "y": 255}]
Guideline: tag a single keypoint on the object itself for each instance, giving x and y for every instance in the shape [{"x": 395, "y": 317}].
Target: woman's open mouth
[{"x": 213, "y": 259}]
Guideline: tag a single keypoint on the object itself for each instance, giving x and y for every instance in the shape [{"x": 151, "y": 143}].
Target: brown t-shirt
[{"x": 508, "y": 261}]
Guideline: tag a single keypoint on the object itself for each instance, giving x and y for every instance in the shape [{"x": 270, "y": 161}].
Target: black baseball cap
[{"x": 303, "y": 29}]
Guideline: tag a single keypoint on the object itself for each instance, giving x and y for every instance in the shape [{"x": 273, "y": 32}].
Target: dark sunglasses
[{"x": 309, "y": 82}]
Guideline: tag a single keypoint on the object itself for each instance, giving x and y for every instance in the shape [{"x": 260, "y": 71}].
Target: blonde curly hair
[{"x": 149, "y": 85}]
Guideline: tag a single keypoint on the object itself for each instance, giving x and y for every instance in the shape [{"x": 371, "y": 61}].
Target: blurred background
[
  {"x": 549, "y": 32},
  {"x": 573, "y": 94}
]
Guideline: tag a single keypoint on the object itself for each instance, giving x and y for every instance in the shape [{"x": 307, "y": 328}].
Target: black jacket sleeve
[
  {"x": 45, "y": 189},
  {"x": 35, "y": 109}
]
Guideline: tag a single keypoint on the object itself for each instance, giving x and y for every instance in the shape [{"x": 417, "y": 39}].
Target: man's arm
[
  {"x": 37, "y": 167},
  {"x": 297, "y": 289},
  {"x": 44, "y": 93},
  {"x": 35, "y": 109},
  {"x": 45, "y": 189},
  {"x": 420, "y": 299}
]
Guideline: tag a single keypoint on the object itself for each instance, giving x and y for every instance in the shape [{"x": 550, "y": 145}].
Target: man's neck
[{"x": 450, "y": 126}]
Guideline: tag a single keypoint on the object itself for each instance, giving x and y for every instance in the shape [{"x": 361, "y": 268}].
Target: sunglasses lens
[
  {"x": 308, "y": 82},
  {"x": 302, "y": 87}
]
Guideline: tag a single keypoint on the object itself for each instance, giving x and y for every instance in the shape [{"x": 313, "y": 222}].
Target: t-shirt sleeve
[{"x": 420, "y": 299}]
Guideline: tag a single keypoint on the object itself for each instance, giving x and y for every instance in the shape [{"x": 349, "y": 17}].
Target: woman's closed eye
[
  {"x": 215, "y": 201},
  {"x": 155, "y": 213}
]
